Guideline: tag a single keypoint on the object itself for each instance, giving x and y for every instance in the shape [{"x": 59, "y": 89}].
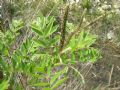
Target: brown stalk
[{"x": 63, "y": 28}]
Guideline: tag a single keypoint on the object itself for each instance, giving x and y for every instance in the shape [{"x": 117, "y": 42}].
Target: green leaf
[
  {"x": 58, "y": 83},
  {"x": 41, "y": 42},
  {"x": 5, "y": 51},
  {"x": 3, "y": 64},
  {"x": 72, "y": 44},
  {"x": 54, "y": 40},
  {"x": 85, "y": 40},
  {"x": 49, "y": 70},
  {"x": 16, "y": 25},
  {"x": 55, "y": 77},
  {"x": 43, "y": 22},
  {"x": 40, "y": 69},
  {"x": 53, "y": 29},
  {"x": 48, "y": 29},
  {"x": 4, "y": 85},
  {"x": 36, "y": 29},
  {"x": 47, "y": 88}
]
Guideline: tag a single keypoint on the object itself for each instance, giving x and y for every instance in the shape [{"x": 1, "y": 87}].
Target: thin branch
[
  {"x": 78, "y": 28},
  {"x": 111, "y": 75},
  {"x": 83, "y": 80}
]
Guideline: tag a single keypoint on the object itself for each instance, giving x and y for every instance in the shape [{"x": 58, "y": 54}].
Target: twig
[
  {"x": 79, "y": 28},
  {"x": 116, "y": 88},
  {"x": 111, "y": 75},
  {"x": 83, "y": 80}
]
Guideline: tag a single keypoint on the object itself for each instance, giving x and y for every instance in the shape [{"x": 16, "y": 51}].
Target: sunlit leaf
[
  {"x": 36, "y": 29},
  {"x": 46, "y": 88},
  {"x": 4, "y": 85}
]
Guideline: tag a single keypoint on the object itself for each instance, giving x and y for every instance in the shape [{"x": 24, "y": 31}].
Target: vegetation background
[{"x": 97, "y": 21}]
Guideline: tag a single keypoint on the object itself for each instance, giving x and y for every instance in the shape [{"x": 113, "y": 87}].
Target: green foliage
[
  {"x": 83, "y": 40},
  {"x": 37, "y": 60},
  {"x": 86, "y": 4},
  {"x": 4, "y": 85}
]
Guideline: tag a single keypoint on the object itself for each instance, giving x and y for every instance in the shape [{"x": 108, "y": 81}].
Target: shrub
[{"x": 37, "y": 62}]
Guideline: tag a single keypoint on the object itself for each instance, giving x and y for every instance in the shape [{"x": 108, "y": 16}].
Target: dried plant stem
[
  {"x": 110, "y": 77},
  {"x": 63, "y": 27}
]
